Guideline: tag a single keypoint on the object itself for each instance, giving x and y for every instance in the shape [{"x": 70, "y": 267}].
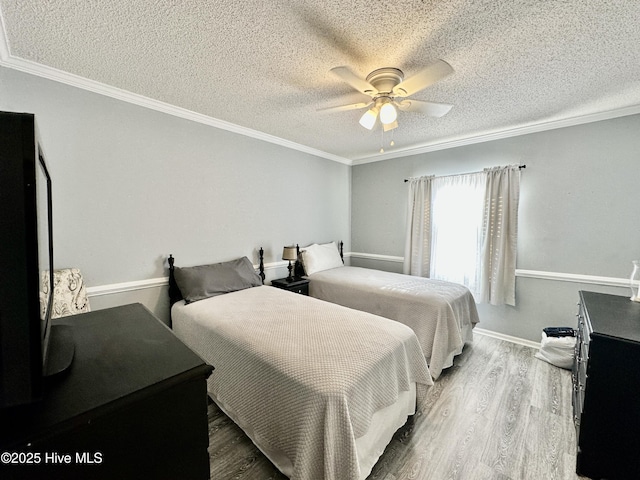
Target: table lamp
[{"x": 290, "y": 253}]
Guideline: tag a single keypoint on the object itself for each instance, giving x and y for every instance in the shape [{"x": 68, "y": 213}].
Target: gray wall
[
  {"x": 131, "y": 185},
  {"x": 578, "y": 213}
]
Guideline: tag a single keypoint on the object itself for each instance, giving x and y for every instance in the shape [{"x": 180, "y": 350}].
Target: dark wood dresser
[
  {"x": 133, "y": 405},
  {"x": 606, "y": 387}
]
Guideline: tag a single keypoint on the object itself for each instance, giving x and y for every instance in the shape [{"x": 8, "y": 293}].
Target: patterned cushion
[{"x": 69, "y": 293}]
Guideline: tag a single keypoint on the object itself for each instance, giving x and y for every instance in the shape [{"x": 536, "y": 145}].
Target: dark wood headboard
[
  {"x": 174, "y": 292},
  {"x": 261, "y": 265}
]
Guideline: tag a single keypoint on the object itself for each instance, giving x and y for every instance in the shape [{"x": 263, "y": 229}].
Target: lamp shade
[
  {"x": 368, "y": 120},
  {"x": 289, "y": 253},
  {"x": 388, "y": 113}
]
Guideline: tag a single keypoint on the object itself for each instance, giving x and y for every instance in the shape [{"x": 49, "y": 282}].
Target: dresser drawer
[{"x": 579, "y": 371}]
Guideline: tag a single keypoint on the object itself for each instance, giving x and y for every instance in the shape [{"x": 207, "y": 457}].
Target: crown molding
[
  {"x": 50, "y": 73},
  {"x": 146, "y": 102},
  {"x": 501, "y": 134},
  {"x": 9, "y": 61}
]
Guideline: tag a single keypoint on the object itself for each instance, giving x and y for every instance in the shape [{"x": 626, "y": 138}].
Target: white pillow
[{"x": 317, "y": 258}]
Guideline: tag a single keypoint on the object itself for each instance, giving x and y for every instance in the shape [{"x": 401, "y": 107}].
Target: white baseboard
[{"x": 507, "y": 338}]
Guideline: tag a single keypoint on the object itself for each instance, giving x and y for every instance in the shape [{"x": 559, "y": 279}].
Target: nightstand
[{"x": 297, "y": 285}]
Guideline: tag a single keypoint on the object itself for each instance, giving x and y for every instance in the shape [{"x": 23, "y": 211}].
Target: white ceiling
[{"x": 262, "y": 67}]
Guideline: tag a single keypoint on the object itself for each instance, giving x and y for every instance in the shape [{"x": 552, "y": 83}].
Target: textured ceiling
[{"x": 265, "y": 65}]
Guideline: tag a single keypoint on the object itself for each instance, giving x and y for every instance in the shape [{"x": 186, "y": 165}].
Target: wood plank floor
[{"x": 498, "y": 413}]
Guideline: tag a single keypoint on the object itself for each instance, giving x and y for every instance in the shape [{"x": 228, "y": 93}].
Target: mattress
[
  {"x": 305, "y": 379},
  {"x": 442, "y": 314}
]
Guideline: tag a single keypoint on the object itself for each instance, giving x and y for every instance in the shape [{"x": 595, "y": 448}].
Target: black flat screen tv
[{"x": 29, "y": 348}]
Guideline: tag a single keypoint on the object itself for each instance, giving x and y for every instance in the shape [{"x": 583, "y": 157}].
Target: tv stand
[
  {"x": 132, "y": 405},
  {"x": 60, "y": 350}
]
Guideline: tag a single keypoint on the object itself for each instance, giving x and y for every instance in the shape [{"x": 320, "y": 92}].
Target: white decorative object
[{"x": 634, "y": 281}]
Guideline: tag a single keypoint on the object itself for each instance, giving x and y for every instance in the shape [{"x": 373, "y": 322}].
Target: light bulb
[
  {"x": 388, "y": 113},
  {"x": 368, "y": 120}
]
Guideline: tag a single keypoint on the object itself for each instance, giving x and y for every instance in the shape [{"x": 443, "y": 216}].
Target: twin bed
[
  {"x": 319, "y": 388},
  {"x": 442, "y": 314}
]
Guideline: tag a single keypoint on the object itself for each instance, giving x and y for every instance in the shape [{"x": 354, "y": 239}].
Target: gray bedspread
[
  {"x": 442, "y": 314},
  {"x": 299, "y": 375}
]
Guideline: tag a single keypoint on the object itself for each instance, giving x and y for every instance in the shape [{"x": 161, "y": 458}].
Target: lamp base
[{"x": 290, "y": 277}]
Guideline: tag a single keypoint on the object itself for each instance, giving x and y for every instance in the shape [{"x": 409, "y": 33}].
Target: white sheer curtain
[
  {"x": 417, "y": 251},
  {"x": 457, "y": 206},
  {"x": 463, "y": 229},
  {"x": 500, "y": 232}
]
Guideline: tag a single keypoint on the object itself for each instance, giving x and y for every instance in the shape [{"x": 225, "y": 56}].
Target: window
[
  {"x": 469, "y": 231},
  {"x": 456, "y": 239}
]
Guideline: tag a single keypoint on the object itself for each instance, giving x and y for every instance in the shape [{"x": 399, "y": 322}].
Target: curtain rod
[{"x": 520, "y": 167}]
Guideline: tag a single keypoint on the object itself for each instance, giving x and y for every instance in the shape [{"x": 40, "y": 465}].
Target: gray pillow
[{"x": 204, "y": 281}]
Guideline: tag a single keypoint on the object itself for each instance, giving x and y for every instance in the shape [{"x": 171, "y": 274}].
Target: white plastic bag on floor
[{"x": 557, "y": 351}]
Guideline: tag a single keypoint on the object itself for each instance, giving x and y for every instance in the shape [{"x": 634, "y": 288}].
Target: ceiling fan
[{"x": 388, "y": 90}]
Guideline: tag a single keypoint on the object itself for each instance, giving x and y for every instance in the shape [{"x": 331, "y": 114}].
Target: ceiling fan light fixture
[
  {"x": 388, "y": 113},
  {"x": 368, "y": 120},
  {"x": 388, "y": 89}
]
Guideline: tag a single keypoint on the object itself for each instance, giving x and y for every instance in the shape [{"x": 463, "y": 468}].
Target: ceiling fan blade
[
  {"x": 432, "y": 109},
  {"x": 347, "y": 76},
  {"x": 313, "y": 21},
  {"x": 425, "y": 77},
  {"x": 344, "y": 108},
  {"x": 389, "y": 126}
]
